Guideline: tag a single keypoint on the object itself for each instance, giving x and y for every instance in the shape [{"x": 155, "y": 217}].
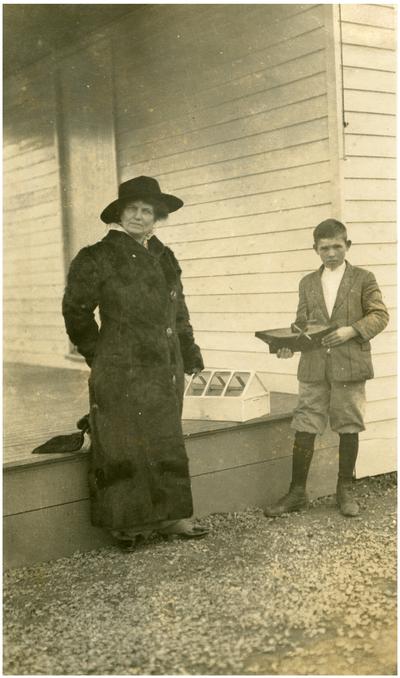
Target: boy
[{"x": 332, "y": 378}]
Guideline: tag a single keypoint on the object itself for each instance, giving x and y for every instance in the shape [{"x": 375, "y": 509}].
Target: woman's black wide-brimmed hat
[{"x": 139, "y": 188}]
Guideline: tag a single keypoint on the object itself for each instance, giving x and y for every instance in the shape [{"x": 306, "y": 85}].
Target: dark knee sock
[
  {"x": 303, "y": 450},
  {"x": 348, "y": 450}
]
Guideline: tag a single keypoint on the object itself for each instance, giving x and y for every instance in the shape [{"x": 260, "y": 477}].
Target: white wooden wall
[
  {"x": 369, "y": 80},
  {"x": 228, "y": 109},
  {"x": 33, "y": 241}
]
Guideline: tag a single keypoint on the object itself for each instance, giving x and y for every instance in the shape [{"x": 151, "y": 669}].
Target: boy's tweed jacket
[
  {"x": 359, "y": 304},
  {"x": 139, "y": 468}
]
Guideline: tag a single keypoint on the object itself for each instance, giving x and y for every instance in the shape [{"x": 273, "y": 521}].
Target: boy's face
[{"x": 332, "y": 251}]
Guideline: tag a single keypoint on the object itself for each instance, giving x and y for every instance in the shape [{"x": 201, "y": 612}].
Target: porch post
[{"x": 336, "y": 123}]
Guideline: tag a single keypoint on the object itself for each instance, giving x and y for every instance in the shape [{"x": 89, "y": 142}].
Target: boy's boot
[
  {"x": 296, "y": 499},
  {"x": 348, "y": 450}
]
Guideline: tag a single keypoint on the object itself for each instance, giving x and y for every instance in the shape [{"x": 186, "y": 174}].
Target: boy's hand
[
  {"x": 339, "y": 336},
  {"x": 284, "y": 353}
]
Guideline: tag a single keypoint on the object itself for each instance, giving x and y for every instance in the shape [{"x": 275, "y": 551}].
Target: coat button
[
  {"x": 133, "y": 256},
  {"x": 173, "y": 294},
  {"x": 169, "y": 332}
]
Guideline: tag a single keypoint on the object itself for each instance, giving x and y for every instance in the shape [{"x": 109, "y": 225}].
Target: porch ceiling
[{"x": 31, "y": 32}]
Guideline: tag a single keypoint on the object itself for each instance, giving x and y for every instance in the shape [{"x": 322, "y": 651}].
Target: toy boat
[{"x": 301, "y": 337}]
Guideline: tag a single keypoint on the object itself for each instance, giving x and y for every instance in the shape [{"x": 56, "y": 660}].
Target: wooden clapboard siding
[
  {"x": 380, "y": 387},
  {"x": 258, "y": 283},
  {"x": 226, "y": 56},
  {"x": 376, "y": 168},
  {"x": 369, "y": 79},
  {"x": 380, "y": 410},
  {"x": 272, "y": 221},
  {"x": 246, "y": 244},
  {"x": 369, "y": 192},
  {"x": 48, "y": 355},
  {"x": 297, "y": 155},
  {"x": 354, "y": 57},
  {"x": 358, "y": 145},
  {"x": 33, "y": 238},
  {"x": 292, "y": 240},
  {"x": 236, "y": 148},
  {"x": 370, "y": 102},
  {"x": 31, "y": 188},
  {"x": 252, "y": 302},
  {"x": 369, "y": 15},
  {"x": 371, "y": 36},
  {"x": 232, "y": 303},
  {"x": 225, "y": 122},
  {"x": 244, "y": 140},
  {"x": 256, "y": 183},
  {"x": 286, "y": 261}
]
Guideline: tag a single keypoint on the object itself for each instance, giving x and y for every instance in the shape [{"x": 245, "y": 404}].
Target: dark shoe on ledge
[
  {"x": 347, "y": 505},
  {"x": 295, "y": 500}
]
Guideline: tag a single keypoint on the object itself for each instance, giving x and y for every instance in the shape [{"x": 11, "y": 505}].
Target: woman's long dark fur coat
[{"x": 139, "y": 468}]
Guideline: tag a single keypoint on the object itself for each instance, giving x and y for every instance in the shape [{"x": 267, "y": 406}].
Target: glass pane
[
  {"x": 237, "y": 384},
  {"x": 198, "y": 384},
  {"x": 218, "y": 383}
]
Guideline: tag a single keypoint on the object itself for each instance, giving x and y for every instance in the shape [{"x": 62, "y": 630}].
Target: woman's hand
[
  {"x": 284, "y": 353},
  {"x": 339, "y": 336},
  {"x": 196, "y": 370}
]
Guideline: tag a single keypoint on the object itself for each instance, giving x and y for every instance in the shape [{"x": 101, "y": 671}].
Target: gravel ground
[{"x": 310, "y": 593}]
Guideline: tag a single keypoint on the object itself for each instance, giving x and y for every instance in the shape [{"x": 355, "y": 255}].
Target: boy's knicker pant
[{"x": 342, "y": 402}]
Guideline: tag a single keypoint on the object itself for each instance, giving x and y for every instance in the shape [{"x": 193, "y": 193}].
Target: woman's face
[{"x": 137, "y": 218}]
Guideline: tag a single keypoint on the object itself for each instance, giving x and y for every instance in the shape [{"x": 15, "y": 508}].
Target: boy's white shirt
[{"x": 330, "y": 284}]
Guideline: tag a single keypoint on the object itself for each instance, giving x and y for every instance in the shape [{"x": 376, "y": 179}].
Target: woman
[{"x": 139, "y": 477}]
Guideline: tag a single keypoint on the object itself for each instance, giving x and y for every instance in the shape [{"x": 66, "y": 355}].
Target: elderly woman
[{"x": 139, "y": 477}]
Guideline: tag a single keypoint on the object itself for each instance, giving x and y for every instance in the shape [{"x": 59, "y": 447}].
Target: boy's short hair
[{"x": 330, "y": 228}]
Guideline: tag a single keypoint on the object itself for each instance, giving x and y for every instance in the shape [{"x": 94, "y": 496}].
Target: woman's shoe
[
  {"x": 183, "y": 529},
  {"x": 127, "y": 545},
  {"x": 129, "y": 542}
]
